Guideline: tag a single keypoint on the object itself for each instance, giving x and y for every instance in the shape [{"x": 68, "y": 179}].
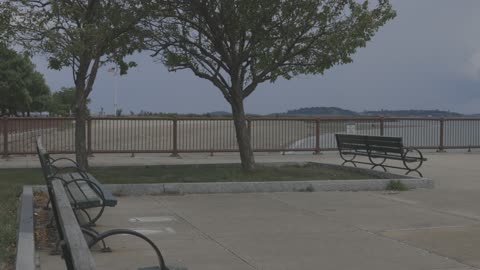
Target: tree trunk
[
  {"x": 243, "y": 135},
  {"x": 80, "y": 129}
]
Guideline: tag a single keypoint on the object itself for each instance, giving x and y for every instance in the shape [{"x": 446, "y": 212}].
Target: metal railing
[{"x": 182, "y": 135}]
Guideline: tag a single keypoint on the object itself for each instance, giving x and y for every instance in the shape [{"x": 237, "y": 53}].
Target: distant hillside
[
  {"x": 219, "y": 113},
  {"x": 412, "y": 113},
  {"x": 328, "y": 111},
  {"x": 335, "y": 111}
]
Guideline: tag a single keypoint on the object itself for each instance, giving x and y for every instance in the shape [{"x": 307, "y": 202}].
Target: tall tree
[
  {"x": 22, "y": 89},
  {"x": 82, "y": 35},
  {"x": 6, "y": 14},
  {"x": 239, "y": 44}
]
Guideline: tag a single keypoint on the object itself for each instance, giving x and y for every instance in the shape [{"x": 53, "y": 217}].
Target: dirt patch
[{"x": 45, "y": 232}]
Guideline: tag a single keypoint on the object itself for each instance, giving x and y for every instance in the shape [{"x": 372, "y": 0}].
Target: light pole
[{"x": 114, "y": 70}]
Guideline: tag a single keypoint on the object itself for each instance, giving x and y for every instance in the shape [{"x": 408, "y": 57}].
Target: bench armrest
[
  {"x": 103, "y": 235},
  {"x": 413, "y": 149},
  {"x": 53, "y": 160}
]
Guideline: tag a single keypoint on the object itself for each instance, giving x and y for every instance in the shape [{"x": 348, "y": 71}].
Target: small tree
[
  {"x": 239, "y": 44},
  {"x": 82, "y": 35},
  {"x": 63, "y": 102},
  {"x": 22, "y": 89}
]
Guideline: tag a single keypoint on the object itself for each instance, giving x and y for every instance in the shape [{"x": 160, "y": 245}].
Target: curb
[
  {"x": 378, "y": 184},
  {"x": 25, "y": 238},
  {"x": 252, "y": 187}
]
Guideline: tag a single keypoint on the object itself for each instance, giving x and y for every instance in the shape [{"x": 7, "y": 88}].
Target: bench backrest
[
  {"x": 44, "y": 158},
  {"x": 379, "y": 144},
  {"x": 75, "y": 250}
]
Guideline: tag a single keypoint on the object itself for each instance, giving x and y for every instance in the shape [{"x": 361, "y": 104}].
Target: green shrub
[{"x": 396, "y": 185}]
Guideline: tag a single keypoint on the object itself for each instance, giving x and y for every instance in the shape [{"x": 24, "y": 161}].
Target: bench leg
[
  {"x": 93, "y": 235},
  {"x": 349, "y": 161},
  {"x": 419, "y": 173},
  {"x": 91, "y": 221},
  {"x": 56, "y": 250},
  {"x": 46, "y": 207},
  {"x": 50, "y": 223},
  {"x": 374, "y": 166}
]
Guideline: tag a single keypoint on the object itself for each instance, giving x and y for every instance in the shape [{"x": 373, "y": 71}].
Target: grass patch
[
  {"x": 396, "y": 185},
  {"x": 222, "y": 173},
  {"x": 12, "y": 180}
]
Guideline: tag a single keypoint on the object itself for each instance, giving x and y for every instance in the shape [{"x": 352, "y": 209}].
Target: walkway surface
[{"x": 435, "y": 229}]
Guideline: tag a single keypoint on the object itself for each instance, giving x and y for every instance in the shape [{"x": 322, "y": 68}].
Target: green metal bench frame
[
  {"x": 379, "y": 149},
  {"x": 84, "y": 191}
]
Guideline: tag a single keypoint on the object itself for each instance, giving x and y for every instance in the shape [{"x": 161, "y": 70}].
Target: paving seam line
[
  {"x": 445, "y": 212},
  {"x": 209, "y": 237}
]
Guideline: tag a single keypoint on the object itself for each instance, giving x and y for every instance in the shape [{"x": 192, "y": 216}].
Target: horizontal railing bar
[{"x": 325, "y": 118}]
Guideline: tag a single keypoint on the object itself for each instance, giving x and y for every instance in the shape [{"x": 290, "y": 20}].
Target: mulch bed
[{"x": 45, "y": 235}]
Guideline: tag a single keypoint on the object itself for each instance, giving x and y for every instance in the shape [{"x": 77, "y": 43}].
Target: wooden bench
[
  {"x": 378, "y": 149},
  {"x": 74, "y": 248},
  {"x": 83, "y": 190}
]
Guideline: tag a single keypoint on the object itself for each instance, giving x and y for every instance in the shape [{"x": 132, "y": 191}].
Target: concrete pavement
[{"x": 421, "y": 229}]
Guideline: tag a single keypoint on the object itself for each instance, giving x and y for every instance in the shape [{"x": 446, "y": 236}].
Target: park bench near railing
[
  {"x": 74, "y": 247},
  {"x": 84, "y": 191},
  {"x": 379, "y": 149}
]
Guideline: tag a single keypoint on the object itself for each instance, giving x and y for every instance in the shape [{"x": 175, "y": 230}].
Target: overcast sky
[{"x": 428, "y": 57}]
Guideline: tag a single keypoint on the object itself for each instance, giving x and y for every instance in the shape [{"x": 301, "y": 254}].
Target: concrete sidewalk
[
  {"x": 422, "y": 229},
  {"x": 31, "y": 161}
]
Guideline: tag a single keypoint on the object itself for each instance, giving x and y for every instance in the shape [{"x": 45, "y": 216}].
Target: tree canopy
[
  {"x": 6, "y": 11},
  {"x": 82, "y": 35},
  {"x": 239, "y": 44},
  {"x": 21, "y": 87}
]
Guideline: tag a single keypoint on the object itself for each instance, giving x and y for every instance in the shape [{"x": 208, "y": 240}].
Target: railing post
[
  {"x": 382, "y": 126},
  {"x": 175, "y": 133},
  {"x": 317, "y": 137},
  {"x": 249, "y": 127},
  {"x": 5, "y": 136},
  {"x": 442, "y": 135},
  {"x": 89, "y": 137}
]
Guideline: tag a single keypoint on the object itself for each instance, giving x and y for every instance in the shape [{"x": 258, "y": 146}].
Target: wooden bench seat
[{"x": 83, "y": 195}]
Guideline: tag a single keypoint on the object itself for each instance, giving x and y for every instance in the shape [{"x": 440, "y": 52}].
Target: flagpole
[
  {"x": 115, "y": 87},
  {"x": 115, "y": 70}
]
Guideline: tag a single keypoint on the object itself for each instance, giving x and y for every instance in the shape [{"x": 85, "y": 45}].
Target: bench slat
[
  {"x": 370, "y": 143},
  {"x": 80, "y": 193},
  {"x": 80, "y": 254},
  {"x": 110, "y": 200}
]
